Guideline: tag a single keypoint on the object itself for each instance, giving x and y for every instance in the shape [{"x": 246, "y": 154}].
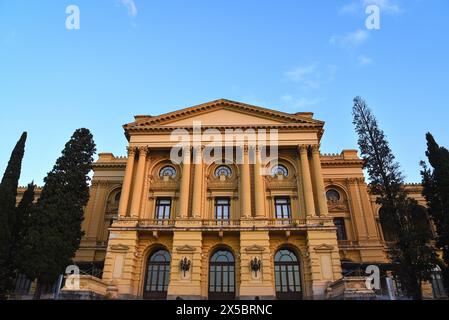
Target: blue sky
[{"x": 151, "y": 57}]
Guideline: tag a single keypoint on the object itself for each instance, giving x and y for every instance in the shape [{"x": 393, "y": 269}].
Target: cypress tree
[
  {"x": 435, "y": 183},
  {"x": 411, "y": 248},
  {"x": 23, "y": 213},
  {"x": 54, "y": 225},
  {"x": 8, "y": 193}
]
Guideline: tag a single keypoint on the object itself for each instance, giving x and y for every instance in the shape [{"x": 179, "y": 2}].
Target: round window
[
  {"x": 223, "y": 171},
  {"x": 333, "y": 195},
  {"x": 168, "y": 171},
  {"x": 279, "y": 170}
]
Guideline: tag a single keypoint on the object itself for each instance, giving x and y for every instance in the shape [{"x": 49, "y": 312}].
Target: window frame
[
  {"x": 223, "y": 167},
  {"x": 342, "y": 235},
  {"x": 284, "y": 169},
  {"x": 287, "y": 205},
  {"x": 222, "y": 206},
  {"x": 160, "y": 205},
  {"x": 175, "y": 172}
]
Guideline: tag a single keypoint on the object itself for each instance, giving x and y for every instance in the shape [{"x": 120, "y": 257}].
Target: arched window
[
  {"x": 168, "y": 171},
  {"x": 158, "y": 275},
  {"x": 333, "y": 195},
  {"x": 223, "y": 171},
  {"x": 279, "y": 170},
  {"x": 117, "y": 197},
  {"x": 287, "y": 275},
  {"x": 222, "y": 276}
]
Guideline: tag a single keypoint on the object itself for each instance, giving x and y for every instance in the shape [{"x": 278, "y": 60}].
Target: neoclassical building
[{"x": 228, "y": 229}]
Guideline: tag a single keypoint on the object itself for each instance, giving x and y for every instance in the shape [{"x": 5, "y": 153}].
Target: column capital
[
  {"x": 245, "y": 148},
  {"x": 315, "y": 148},
  {"x": 143, "y": 150},
  {"x": 131, "y": 151},
  {"x": 303, "y": 148},
  {"x": 187, "y": 150}
]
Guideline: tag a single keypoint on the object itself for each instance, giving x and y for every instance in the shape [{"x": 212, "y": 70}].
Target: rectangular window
[
  {"x": 341, "y": 230},
  {"x": 222, "y": 208},
  {"x": 282, "y": 208},
  {"x": 163, "y": 208}
]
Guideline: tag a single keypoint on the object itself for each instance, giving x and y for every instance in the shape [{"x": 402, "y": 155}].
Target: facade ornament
[
  {"x": 143, "y": 149},
  {"x": 131, "y": 151},
  {"x": 185, "y": 265},
  {"x": 303, "y": 148},
  {"x": 255, "y": 265},
  {"x": 315, "y": 148}
]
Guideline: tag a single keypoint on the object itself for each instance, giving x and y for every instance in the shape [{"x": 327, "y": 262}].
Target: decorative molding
[
  {"x": 255, "y": 248},
  {"x": 223, "y": 104},
  {"x": 119, "y": 248},
  {"x": 324, "y": 248},
  {"x": 186, "y": 249},
  {"x": 131, "y": 151}
]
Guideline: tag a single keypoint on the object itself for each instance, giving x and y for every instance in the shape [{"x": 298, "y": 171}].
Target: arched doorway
[
  {"x": 157, "y": 275},
  {"x": 287, "y": 275},
  {"x": 222, "y": 275}
]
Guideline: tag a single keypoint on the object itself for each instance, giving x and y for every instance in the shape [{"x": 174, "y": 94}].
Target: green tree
[
  {"x": 8, "y": 193},
  {"x": 435, "y": 183},
  {"x": 411, "y": 247},
  {"x": 54, "y": 226},
  {"x": 22, "y": 215}
]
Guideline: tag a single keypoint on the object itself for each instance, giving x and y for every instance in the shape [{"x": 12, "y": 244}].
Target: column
[
  {"x": 124, "y": 198},
  {"x": 138, "y": 184},
  {"x": 319, "y": 183},
  {"x": 301, "y": 198},
  {"x": 245, "y": 185},
  {"x": 198, "y": 182},
  {"x": 306, "y": 181},
  {"x": 259, "y": 190},
  {"x": 185, "y": 184}
]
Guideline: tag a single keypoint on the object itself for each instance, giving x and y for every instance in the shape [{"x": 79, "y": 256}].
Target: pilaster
[
  {"x": 186, "y": 285},
  {"x": 256, "y": 244}
]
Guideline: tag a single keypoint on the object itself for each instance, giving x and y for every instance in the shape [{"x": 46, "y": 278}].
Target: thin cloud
[
  {"x": 364, "y": 60},
  {"x": 308, "y": 76},
  {"x": 299, "y": 103},
  {"x": 131, "y": 6},
  {"x": 352, "y": 39},
  {"x": 386, "y": 6},
  {"x": 352, "y": 7}
]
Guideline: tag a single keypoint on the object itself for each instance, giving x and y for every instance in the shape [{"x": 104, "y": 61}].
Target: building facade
[{"x": 228, "y": 229}]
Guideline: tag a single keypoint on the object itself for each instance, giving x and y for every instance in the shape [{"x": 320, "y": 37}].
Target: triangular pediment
[{"x": 223, "y": 113}]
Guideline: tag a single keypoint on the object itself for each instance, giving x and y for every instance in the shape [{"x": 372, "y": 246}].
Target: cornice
[{"x": 224, "y": 103}]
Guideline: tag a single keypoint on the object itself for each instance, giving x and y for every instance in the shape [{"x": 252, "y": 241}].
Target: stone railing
[
  {"x": 162, "y": 224},
  {"x": 156, "y": 223},
  {"x": 282, "y": 223},
  {"x": 88, "y": 288},
  {"x": 350, "y": 288}
]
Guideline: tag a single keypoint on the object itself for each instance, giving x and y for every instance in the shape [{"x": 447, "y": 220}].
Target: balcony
[{"x": 215, "y": 225}]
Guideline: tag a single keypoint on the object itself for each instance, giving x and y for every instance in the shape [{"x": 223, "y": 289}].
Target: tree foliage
[
  {"x": 411, "y": 247},
  {"x": 54, "y": 226},
  {"x": 435, "y": 183},
  {"x": 8, "y": 194}
]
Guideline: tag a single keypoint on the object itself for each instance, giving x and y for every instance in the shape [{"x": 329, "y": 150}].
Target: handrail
[{"x": 221, "y": 222}]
